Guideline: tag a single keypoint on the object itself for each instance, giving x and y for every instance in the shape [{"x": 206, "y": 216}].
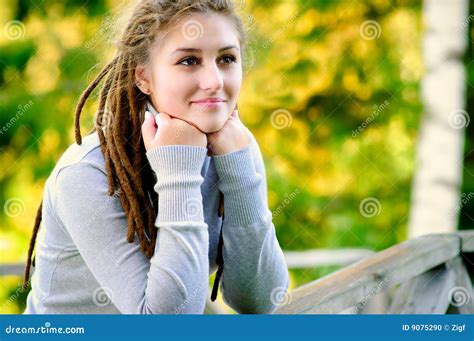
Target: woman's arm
[
  {"x": 255, "y": 272},
  {"x": 175, "y": 280}
]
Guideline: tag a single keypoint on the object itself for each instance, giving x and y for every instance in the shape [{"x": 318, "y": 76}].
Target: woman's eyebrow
[{"x": 190, "y": 49}]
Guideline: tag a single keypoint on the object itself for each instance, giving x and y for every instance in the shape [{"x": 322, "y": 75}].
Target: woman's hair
[{"x": 121, "y": 107}]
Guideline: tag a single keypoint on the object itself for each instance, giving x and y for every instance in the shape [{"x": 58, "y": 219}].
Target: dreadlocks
[{"x": 120, "y": 115}]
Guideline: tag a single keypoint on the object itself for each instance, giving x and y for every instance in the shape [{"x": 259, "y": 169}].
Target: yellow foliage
[
  {"x": 68, "y": 30},
  {"x": 307, "y": 22},
  {"x": 42, "y": 72},
  {"x": 49, "y": 141}
]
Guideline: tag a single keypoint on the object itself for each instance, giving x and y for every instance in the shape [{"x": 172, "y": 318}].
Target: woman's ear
[{"x": 142, "y": 80}]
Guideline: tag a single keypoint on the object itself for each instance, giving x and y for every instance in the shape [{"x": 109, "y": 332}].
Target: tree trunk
[{"x": 437, "y": 180}]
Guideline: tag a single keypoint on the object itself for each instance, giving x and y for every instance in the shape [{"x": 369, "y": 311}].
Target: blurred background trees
[{"x": 331, "y": 92}]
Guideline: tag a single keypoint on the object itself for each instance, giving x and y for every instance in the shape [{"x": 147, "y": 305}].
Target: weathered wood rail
[
  {"x": 431, "y": 274},
  {"x": 425, "y": 275}
]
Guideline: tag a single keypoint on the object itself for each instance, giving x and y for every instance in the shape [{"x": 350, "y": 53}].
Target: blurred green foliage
[{"x": 315, "y": 72}]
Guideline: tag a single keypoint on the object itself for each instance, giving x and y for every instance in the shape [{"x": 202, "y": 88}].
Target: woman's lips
[{"x": 209, "y": 104}]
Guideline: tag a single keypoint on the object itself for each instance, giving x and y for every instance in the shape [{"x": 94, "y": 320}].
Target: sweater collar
[{"x": 151, "y": 109}]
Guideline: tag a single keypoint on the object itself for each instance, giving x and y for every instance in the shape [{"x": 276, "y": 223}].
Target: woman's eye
[
  {"x": 229, "y": 59},
  {"x": 189, "y": 61}
]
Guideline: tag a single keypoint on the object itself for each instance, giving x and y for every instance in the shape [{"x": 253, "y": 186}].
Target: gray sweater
[{"x": 84, "y": 263}]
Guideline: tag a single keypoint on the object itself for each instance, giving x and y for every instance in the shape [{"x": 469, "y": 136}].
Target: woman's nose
[{"x": 211, "y": 78}]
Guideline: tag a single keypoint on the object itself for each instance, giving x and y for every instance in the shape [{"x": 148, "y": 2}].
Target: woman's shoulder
[
  {"x": 79, "y": 165},
  {"x": 78, "y": 178},
  {"x": 88, "y": 153}
]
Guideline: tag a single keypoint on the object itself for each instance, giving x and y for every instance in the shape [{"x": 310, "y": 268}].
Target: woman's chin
[{"x": 210, "y": 127}]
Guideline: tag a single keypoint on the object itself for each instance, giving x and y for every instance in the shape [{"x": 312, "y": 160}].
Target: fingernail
[{"x": 147, "y": 115}]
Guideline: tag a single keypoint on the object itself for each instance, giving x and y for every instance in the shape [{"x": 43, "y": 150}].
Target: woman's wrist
[
  {"x": 235, "y": 166},
  {"x": 176, "y": 159}
]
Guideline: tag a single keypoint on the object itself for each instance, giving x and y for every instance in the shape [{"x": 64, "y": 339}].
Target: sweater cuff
[
  {"x": 178, "y": 172},
  {"x": 240, "y": 183},
  {"x": 167, "y": 160}
]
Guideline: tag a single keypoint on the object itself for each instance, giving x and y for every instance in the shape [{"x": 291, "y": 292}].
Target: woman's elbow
[{"x": 193, "y": 302}]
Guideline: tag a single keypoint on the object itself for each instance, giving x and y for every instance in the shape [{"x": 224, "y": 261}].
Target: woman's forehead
[{"x": 208, "y": 32}]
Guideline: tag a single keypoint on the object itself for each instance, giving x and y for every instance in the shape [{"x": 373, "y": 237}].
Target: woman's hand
[
  {"x": 230, "y": 138},
  {"x": 170, "y": 131}
]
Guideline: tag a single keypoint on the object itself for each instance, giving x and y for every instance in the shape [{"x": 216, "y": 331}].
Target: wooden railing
[
  {"x": 16, "y": 269},
  {"x": 425, "y": 275}
]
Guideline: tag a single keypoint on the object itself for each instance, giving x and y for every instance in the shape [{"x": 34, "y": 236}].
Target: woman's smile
[{"x": 209, "y": 105}]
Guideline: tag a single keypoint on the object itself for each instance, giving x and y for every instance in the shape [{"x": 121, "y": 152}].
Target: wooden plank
[
  {"x": 347, "y": 287},
  {"x": 321, "y": 257},
  {"x": 427, "y": 293},
  {"x": 467, "y": 238},
  {"x": 461, "y": 294},
  {"x": 13, "y": 269},
  {"x": 379, "y": 304}
]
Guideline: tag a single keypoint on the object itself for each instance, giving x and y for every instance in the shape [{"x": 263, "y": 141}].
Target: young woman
[{"x": 133, "y": 214}]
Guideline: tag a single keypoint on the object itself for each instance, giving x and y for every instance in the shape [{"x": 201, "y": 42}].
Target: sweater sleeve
[
  {"x": 175, "y": 279},
  {"x": 255, "y": 274}
]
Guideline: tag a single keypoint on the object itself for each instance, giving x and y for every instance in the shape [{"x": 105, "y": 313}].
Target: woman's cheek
[{"x": 167, "y": 102}]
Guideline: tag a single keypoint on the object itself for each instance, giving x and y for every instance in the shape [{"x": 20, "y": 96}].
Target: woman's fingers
[
  {"x": 148, "y": 128},
  {"x": 164, "y": 117}
]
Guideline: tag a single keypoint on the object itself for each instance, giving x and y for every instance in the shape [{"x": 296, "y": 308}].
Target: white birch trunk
[{"x": 437, "y": 180}]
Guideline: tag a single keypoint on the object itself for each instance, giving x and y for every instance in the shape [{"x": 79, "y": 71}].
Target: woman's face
[{"x": 199, "y": 58}]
